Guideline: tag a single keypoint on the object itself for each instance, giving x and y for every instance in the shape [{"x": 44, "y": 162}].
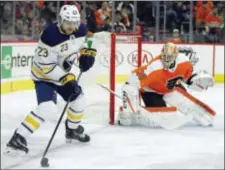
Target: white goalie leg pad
[
  {"x": 134, "y": 81},
  {"x": 44, "y": 111},
  {"x": 189, "y": 105},
  {"x": 75, "y": 111},
  {"x": 164, "y": 117},
  {"x": 130, "y": 98},
  {"x": 130, "y": 105},
  {"x": 126, "y": 118}
]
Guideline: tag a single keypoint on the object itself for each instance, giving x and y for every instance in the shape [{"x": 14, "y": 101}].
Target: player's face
[
  {"x": 168, "y": 59},
  {"x": 69, "y": 27}
]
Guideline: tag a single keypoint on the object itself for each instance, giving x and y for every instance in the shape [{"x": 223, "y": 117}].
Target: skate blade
[
  {"x": 13, "y": 152},
  {"x": 73, "y": 141},
  {"x": 68, "y": 140}
]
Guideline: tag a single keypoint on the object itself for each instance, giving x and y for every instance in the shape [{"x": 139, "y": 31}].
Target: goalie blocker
[{"x": 160, "y": 83}]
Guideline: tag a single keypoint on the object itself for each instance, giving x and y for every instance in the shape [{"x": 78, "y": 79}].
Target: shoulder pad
[
  {"x": 52, "y": 36},
  {"x": 155, "y": 65},
  {"x": 181, "y": 59},
  {"x": 82, "y": 31}
]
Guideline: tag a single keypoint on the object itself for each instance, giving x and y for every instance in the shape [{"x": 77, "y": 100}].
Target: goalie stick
[
  {"x": 127, "y": 98},
  {"x": 106, "y": 88}
]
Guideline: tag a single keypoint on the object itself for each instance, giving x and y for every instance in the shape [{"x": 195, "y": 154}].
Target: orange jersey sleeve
[
  {"x": 140, "y": 71},
  {"x": 185, "y": 69}
]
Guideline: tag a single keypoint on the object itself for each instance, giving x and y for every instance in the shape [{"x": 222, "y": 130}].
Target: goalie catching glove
[
  {"x": 200, "y": 81},
  {"x": 87, "y": 58}
]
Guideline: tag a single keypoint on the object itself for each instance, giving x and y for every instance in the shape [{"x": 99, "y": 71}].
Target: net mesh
[{"x": 98, "y": 99}]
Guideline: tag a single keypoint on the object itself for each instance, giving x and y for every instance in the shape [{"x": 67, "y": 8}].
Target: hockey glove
[
  {"x": 173, "y": 82},
  {"x": 200, "y": 81},
  {"x": 87, "y": 58},
  {"x": 71, "y": 85}
]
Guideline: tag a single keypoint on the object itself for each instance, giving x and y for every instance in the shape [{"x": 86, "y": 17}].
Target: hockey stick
[
  {"x": 106, "y": 88},
  {"x": 118, "y": 96},
  {"x": 44, "y": 160}
]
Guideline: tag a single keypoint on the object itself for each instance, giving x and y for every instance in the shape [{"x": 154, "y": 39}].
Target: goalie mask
[
  {"x": 69, "y": 19},
  {"x": 169, "y": 54}
]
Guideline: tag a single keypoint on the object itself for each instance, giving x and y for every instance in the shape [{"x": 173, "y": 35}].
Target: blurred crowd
[
  {"x": 24, "y": 20},
  {"x": 208, "y": 19}
]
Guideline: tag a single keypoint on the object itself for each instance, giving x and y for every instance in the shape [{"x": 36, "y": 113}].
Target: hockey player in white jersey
[{"x": 51, "y": 74}]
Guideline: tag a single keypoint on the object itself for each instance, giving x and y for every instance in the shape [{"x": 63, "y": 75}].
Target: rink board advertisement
[{"x": 16, "y": 59}]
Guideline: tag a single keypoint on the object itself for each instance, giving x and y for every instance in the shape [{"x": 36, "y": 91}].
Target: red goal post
[
  {"x": 116, "y": 40},
  {"x": 110, "y": 69}
]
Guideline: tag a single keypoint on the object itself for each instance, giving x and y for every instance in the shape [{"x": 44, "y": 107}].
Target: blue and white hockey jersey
[{"x": 54, "y": 54}]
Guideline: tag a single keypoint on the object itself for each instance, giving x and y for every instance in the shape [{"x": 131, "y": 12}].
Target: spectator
[
  {"x": 176, "y": 37},
  {"x": 36, "y": 29},
  {"x": 40, "y": 4},
  {"x": 32, "y": 17},
  {"x": 128, "y": 6},
  {"x": 202, "y": 11},
  {"x": 49, "y": 12},
  {"x": 213, "y": 20},
  {"x": 6, "y": 20},
  {"x": 19, "y": 26},
  {"x": 26, "y": 32},
  {"x": 107, "y": 25},
  {"x": 1, "y": 9},
  {"x": 125, "y": 18},
  {"x": 24, "y": 10},
  {"x": 171, "y": 16},
  {"x": 102, "y": 13},
  {"x": 90, "y": 17},
  {"x": 118, "y": 25},
  {"x": 127, "y": 9},
  {"x": 214, "y": 25}
]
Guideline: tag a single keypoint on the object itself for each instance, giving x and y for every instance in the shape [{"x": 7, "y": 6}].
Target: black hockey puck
[{"x": 44, "y": 162}]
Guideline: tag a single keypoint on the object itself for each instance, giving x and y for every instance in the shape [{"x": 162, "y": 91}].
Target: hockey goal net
[{"x": 117, "y": 56}]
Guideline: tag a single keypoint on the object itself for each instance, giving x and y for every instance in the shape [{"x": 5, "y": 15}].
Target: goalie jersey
[
  {"x": 54, "y": 55},
  {"x": 154, "y": 78}
]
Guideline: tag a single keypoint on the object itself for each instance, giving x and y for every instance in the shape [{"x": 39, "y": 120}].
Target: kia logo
[
  {"x": 132, "y": 57},
  {"x": 104, "y": 58}
]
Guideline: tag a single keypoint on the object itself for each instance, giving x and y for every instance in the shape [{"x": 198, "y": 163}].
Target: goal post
[
  {"x": 111, "y": 69},
  {"x": 116, "y": 39}
]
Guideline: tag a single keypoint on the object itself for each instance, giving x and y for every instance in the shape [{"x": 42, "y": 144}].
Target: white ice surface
[{"x": 112, "y": 146}]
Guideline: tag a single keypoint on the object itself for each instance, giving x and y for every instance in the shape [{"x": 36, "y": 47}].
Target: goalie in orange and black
[{"x": 160, "y": 78}]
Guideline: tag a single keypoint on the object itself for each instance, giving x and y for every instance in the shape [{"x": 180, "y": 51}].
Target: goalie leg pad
[
  {"x": 189, "y": 105},
  {"x": 127, "y": 118},
  {"x": 75, "y": 111},
  {"x": 164, "y": 117},
  {"x": 130, "y": 98},
  {"x": 129, "y": 106},
  {"x": 152, "y": 117}
]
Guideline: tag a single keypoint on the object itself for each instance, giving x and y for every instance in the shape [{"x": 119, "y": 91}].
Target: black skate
[
  {"x": 17, "y": 142},
  {"x": 76, "y": 134}
]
